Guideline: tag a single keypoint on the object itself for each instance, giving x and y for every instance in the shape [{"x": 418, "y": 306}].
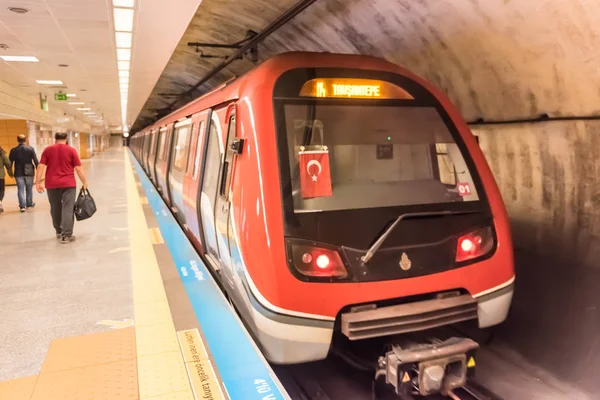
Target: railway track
[{"x": 331, "y": 380}]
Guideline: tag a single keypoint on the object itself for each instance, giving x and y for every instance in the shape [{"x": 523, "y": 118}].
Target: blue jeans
[{"x": 25, "y": 191}]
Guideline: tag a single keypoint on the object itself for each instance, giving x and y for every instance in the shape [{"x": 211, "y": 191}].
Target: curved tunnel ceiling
[{"x": 496, "y": 59}]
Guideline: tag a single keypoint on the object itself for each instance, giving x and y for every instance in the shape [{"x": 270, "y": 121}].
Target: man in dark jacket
[{"x": 24, "y": 161}]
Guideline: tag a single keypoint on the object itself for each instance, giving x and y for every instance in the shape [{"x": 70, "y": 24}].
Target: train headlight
[
  {"x": 311, "y": 259},
  {"x": 474, "y": 244}
]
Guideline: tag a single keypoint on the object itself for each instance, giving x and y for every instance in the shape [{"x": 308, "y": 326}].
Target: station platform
[{"x": 127, "y": 311}]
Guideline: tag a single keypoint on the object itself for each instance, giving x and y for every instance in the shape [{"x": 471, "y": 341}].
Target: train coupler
[{"x": 425, "y": 369}]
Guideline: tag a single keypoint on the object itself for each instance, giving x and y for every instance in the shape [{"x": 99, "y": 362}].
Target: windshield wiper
[{"x": 373, "y": 249}]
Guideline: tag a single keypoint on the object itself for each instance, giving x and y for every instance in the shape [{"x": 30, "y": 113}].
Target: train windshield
[{"x": 353, "y": 155}]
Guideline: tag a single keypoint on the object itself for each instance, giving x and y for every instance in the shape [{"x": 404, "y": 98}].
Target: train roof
[{"x": 231, "y": 90}]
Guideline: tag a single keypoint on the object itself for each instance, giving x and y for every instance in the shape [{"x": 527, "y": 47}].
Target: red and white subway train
[{"x": 335, "y": 194}]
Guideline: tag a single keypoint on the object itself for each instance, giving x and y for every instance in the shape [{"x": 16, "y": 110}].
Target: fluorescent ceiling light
[
  {"x": 49, "y": 82},
  {"x": 76, "y": 102},
  {"x": 123, "y": 39},
  {"x": 124, "y": 54},
  {"x": 123, "y": 74},
  {"x": 83, "y": 109},
  {"x": 124, "y": 3},
  {"x": 20, "y": 58},
  {"x": 90, "y": 113},
  {"x": 123, "y": 19},
  {"x": 71, "y": 95},
  {"x": 124, "y": 64}
]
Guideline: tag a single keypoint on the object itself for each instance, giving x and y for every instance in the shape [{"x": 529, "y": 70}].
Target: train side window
[
  {"x": 196, "y": 170},
  {"x": 182, "y": 146},
  {"x": 227, "y": 167}
]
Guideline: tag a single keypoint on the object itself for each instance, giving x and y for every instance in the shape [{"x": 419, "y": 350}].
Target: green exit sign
[{"x": 60, "y": 96}]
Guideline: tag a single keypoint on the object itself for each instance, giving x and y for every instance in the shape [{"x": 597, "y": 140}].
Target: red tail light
[
  {"x": 316, "y": 261},
  {"x": 474, "y": 244}
]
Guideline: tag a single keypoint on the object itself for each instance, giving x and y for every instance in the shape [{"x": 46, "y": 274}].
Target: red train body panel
[{"x": 245, "y": 213}]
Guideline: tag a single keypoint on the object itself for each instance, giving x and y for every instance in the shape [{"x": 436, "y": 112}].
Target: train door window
[
  {"x": 209, "y": 190},
  {"x": 196, "y": 169},
  {"x": 162, "y": 144},
  {"x": 193, "y": 146},
  {"x": 153, "y": 144},
  {"x": 227, "y": 164},
  {"x": 182, "y": 146}
]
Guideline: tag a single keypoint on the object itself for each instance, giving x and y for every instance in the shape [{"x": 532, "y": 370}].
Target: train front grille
[{"x": 410, "y": 317}]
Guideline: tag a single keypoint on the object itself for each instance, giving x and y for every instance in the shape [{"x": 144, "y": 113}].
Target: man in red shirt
[{"x": 57, "y": 166}]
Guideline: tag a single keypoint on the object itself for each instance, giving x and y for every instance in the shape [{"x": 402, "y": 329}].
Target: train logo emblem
[
  {"x": 405, "y": 262},
  {"x": 310, "y": 164}
]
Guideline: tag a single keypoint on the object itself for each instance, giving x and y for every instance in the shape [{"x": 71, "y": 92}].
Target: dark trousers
[
  {"x": 62, "y": 204},
  {"x": 1, "y": 190}
]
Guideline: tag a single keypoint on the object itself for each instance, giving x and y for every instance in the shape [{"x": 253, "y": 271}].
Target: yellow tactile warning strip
[
  {"x": 92, "y": 349},
  {"x": 161, "y": 370},
  {"x": 109, "y": 381},
  {"x": 199, "y": 368},
  {"x": 17, "y": 389},
  {"x": 99, "y": 366},
  {"x": 155, "y": 235}
]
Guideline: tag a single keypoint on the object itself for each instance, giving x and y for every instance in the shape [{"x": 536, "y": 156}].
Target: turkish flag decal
[{"x": 315, "y": 175}]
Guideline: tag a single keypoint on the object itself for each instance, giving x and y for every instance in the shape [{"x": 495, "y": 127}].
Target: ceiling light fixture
[
  {"x": 76, "y": 103},
  {"x": 71, "y": 95},
  {"x": 124, "y": 54},
  {"x": 123, "y": 19},
  {"x": 123, "y": 14},
  {"x": 49, "y": 82},
  {"x": 18, "y": 10},
  {"x": 83, "y": 109},
  {"x": 123, "y": 39},
  {"x": 20, "y": 58},
  {"x": 124, "y": 3}
]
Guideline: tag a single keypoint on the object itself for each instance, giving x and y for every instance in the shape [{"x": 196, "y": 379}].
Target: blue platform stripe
[{"x": 242, "y": 369}]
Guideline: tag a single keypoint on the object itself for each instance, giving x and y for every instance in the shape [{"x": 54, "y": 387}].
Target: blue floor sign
[{"x": 242, "y": 369}]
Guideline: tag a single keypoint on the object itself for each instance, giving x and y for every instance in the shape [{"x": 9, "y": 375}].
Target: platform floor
[{"x": 68, "y": 311}]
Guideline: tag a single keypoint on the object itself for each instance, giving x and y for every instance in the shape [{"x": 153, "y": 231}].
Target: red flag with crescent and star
[{"x": 315, "y": 175}]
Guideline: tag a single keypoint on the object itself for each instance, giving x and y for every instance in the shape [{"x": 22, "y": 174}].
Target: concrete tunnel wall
[
  {"x": 549, "y": 176},
  {"x": 496, "y": 59}
]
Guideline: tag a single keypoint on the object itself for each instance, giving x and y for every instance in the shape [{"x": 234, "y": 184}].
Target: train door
[
  {"x": 146, "y": 151},
  {"x": 182, "y": 133},
  {"x": 213, "y": 211},
  {"x": 152, "y": 158},
  {"x": 192, "y": 181},
  {"x": 223, "y": 200}
]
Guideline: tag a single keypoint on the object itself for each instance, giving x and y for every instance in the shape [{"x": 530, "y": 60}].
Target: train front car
[{"x": 369, "y": 203}]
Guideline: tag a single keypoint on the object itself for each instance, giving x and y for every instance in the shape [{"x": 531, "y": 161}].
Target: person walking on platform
[
  {"x": 4, "y": 163},
  {"x": 24, "y": 161},
  {"x": 58, "y": 165}
]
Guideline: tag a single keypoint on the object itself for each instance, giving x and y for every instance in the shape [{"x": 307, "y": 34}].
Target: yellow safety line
[{"x": 161, "y": 367}]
